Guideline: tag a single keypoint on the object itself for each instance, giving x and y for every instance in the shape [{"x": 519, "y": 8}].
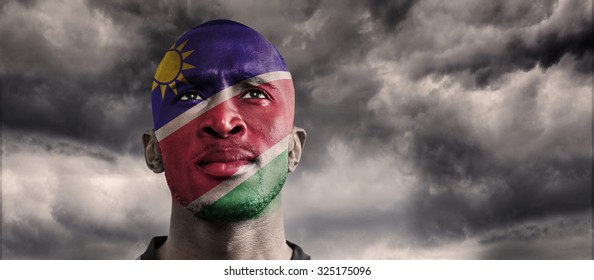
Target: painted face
[{"x": 223, "y": 107}]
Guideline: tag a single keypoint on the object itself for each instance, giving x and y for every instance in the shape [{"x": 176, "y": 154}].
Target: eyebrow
[
  {"x": 257, "y": 81},
  {"x": 244, "y": 78}
]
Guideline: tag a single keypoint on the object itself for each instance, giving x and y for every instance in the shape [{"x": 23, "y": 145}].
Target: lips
[{"x": 224, "y": 162}]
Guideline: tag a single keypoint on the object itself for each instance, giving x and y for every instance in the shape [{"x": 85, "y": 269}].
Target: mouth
[{"x": 225, "y": 163}]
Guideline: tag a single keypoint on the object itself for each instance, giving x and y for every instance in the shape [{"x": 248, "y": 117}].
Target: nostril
[
  {"x": 210, "y": 131},
  {"x": 235, "y": 130},
  {"x": 215, "y": 133}
]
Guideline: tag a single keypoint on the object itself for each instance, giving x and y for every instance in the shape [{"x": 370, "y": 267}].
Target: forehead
[{"x": 228, "y": 51}]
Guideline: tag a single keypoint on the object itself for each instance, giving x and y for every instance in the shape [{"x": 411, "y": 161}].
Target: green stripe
[{"x": 251, "y": 197}]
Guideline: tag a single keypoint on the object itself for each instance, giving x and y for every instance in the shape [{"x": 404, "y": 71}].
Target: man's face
[{"x": 224, "y": 135}]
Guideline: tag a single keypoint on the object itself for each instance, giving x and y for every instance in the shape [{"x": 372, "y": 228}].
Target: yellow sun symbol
[{"x": 169, "y": 70}]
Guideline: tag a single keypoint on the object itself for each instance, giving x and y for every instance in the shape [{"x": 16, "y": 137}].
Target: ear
[
  {"x": 296, "y": 143},
  {"x": 152, "y": 152}
]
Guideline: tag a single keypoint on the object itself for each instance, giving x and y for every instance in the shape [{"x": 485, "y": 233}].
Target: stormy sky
[{"x": 436, "y": 129}]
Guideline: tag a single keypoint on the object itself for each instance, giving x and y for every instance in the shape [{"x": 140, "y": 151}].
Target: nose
[{"x": 222, "y": 121}]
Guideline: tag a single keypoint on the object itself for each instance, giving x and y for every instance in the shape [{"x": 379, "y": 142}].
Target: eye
[
  {"x": 189, "y": 95},
  {"x": 254, "y": 93}
]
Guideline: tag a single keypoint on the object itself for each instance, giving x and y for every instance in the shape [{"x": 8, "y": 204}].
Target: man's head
[{"x": 223, "y": 109}]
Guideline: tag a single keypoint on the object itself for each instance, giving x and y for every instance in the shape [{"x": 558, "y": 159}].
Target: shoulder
[
  {"x": 298, "y": 253},
  {"x": 151, "y": 251}
]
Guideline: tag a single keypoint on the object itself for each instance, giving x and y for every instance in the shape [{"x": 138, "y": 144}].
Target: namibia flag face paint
[{"x": 223, "y": 107}]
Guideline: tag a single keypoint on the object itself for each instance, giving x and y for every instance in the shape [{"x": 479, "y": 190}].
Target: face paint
[{"x": 223, "y": 106}]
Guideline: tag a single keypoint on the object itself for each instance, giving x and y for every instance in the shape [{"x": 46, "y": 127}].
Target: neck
[{"x": 193, "y": 238}]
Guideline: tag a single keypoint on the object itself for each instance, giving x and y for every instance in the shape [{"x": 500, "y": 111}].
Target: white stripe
[
  {"x": 217, "y": 99},
  {"x": 241, "y": 176}
]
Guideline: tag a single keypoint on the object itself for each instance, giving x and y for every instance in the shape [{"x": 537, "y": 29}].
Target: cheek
[
  {"x": 181, "y": 175},
  {"x": 176, "y": 170},
  {"x": 274, "y": 122},
  {"x": 176, "y": 147},
  {"x": 268, "y": 126}
]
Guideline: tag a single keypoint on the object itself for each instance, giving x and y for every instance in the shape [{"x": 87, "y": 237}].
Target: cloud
[
  {"x": 70, "y": 40},
  {"x": 451, "y": 167},
  {"x": 480, "y": 42},
  {"x": 379, "y": 208},
  {"x": 508, "y": 147},
  {"x": 66, "y": 69},
  {"x": 390, "y": 13},
  {"x": 65, "y": 200}
]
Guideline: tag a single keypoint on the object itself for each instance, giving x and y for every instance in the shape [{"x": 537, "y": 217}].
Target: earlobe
[
  {"x": 152, "y": 152},
  {"x": 296, "y": 143}
]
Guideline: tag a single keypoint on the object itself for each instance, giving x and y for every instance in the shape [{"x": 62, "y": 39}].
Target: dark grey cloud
[
  {"x": 492, "y": 39},
  {"x": 431, "y": 123},
  {"x": 508, "y": 14},
  {"x": 390, "y": 13},
  {"x": 450, "y": 158},
  {"x": 551, "y": 46},
  {"x": 519, "y": 242}
]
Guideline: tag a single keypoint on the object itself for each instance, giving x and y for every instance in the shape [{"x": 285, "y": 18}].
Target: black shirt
[{"x": 156, "y": 242}]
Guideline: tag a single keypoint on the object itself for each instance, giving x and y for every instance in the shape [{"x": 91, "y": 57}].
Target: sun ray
[
  {"x": 186, "y": 66},
  {"x": 181, "y": 46},
  {"x": 163, "y": 88},
  {"x": 186, "y": 54},
  {"x": 173, "y": 87},
  {"x": 182, "y": 79}
]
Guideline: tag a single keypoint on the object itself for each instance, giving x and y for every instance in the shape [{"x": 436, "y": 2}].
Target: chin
[{"x": 247, "y": 201}]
